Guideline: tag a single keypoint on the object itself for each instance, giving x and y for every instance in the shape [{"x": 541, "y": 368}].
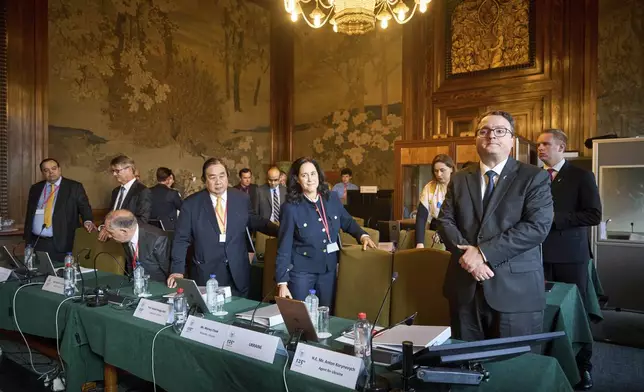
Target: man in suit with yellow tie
[{"x": 53, "y": 209}]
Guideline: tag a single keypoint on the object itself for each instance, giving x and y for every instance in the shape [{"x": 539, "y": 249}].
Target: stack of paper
[
  {"x": 268, "y": 316},
  {"x": 421, "y": 335}
]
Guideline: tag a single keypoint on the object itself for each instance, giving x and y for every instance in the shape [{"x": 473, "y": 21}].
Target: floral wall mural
[
  {"x": 168, "y": 83},
  {"x": 348, "y": 101}
]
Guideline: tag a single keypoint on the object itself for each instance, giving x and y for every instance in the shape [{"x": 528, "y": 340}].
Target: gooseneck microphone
[
  {"x": 80, "y": 272},
  {"x": 378, "y": 383},
  {"x": 99, "y": 292},
  {"x": 281, "y": 279}
]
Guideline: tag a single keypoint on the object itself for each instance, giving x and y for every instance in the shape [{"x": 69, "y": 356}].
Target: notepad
[{"x": 268, "y": 316}]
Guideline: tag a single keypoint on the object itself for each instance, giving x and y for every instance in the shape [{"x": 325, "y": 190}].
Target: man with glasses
[
  {"x": 493, "y": 220},
  {"x": 130, "y": 195}
]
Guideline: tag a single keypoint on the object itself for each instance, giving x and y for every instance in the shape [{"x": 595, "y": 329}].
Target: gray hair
[{"x": 558, "y": 134}]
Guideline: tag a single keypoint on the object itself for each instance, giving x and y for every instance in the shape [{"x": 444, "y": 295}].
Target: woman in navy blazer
[{"x": 308, "y": 241}]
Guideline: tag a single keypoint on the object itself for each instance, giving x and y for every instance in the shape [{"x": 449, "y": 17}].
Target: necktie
[
  {"x": 344, "y": 195},
  {"x": 551, "y": 172},
  {"x": 135, "y": 256},
  {"x": 276, "y": 207},
  {"x": 49, "y": 206},
  {"x": 489, "y": 189},
  {"x": 119, "y": 200},
  {"x": 221, "y": 215}
]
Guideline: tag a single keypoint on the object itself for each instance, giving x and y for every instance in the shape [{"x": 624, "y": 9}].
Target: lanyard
[
  {"x": 50, "y": 195},
  {"x": 322, "y": 216},
  {"x": 220, "y": 219}
]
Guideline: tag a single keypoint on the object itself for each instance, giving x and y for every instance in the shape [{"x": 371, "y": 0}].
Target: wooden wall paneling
[
  {"x": 414, "y": 71},
  {"x": 4, "y": 131},
  {"x": 27, "y": 71},
  {"x": 282, "y": 73}
]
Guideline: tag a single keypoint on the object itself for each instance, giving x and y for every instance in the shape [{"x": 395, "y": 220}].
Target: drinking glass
[
  {"x": 323, "y": 322},
  {"x": 220, "y": 294}
]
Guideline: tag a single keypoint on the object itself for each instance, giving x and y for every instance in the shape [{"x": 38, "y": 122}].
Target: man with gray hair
[{"x": 143, "y": 243}]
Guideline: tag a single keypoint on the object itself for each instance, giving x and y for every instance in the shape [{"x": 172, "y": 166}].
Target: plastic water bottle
[
  {"x": 361, "y": 342},
  {"x": 138, "y": 280},
  {"x": 69, "y": 284},
  {"x": 312, "y": 304},
  {"x": 211, "y": 293},
  {"x": 69, "y": 259},
  {"x": 180, "y": 308},
  {"x": 29, "y": 257}
]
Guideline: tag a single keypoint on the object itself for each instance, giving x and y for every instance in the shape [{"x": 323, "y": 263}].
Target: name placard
[
  {"x": 369, "y": 189},
  {"x": 337, "y": 368},
  {"x": 4, "y": 274},
  {"x": 252, "y": 344},
  {"x": 155, "y": 312},
  {"x": 54, "y": 284},
  {"x": 205, "y": 331}
]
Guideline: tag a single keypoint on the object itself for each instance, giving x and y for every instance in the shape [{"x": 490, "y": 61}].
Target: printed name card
[
  {"x": 4, "y": 274},
  {"x": 252, "y": 344},
  {"x": 54, "y": 284},
  {"x": 155, "y": 312},
  {"x": 337, "y": 368},
  {"x": 205, "y": 331}
]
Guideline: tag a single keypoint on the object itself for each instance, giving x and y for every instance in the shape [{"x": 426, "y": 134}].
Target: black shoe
[{"x": 586, "y": 382}]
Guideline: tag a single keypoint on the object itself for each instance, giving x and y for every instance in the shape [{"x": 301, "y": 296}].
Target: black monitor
[
  {"x": 479, "y": 351},
  {"x": 372, "y": 207}
]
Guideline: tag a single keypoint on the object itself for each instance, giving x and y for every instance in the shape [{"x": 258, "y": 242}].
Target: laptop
[
  {"x": 12, "y": 263},
  {"x": 296, "y": 317},
  {"x": 194, "y": 294},
  {"x": 46, "y": 266}
]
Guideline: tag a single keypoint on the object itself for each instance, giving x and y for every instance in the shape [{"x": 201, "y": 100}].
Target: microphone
[
  {"x": 252, "y": 317},
  {"x": 78, "y": 268},
  {"x": 379, "y": 383},
  {"x": 99, "y": 292}
]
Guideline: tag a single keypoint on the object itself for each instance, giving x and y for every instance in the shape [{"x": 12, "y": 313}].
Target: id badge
[
  {"x": 332, "y": 247},
  {"x": 222, "y": 237},
  {"x": 40, "y": 211}
]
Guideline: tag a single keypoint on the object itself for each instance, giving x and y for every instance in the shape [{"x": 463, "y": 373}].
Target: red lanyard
[
  {"x": 135, "y": 255},
  {"x": 219, "y": 218},
  {"x": 322, "y": 216},
  {"x": 50, "y": 195}
]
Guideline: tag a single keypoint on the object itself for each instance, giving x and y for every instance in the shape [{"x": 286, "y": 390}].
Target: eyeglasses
[
  {"x": 118, "y": 171},
  {"x": 497, "y": 132}
]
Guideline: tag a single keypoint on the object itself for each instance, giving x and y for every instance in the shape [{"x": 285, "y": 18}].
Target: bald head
[
  {"x": 121, "y": 224},
  {"x": 273, "y": 177}
]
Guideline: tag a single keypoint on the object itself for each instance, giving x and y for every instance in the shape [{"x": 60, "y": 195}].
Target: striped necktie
[{"x": 275, "y": 216}]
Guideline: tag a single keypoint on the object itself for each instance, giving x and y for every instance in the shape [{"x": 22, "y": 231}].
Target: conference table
[{"x": 94, "y": 342}]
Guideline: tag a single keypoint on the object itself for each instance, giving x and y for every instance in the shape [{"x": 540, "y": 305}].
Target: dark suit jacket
[
  {"x": 509, "y": 232},
  {"x": 577, "y": 207},
  {"x": 165, "y": 204},
  {"x": 138, "y": 200},
  {"x": 252, "y": 192},
  {"x": 70, "y": 203},
  {"x": 302, "y": 242},
  {"x": 154, "y": 252},
  {"x": 264, "y": 201},
  {"x": 197, "y": 226}
]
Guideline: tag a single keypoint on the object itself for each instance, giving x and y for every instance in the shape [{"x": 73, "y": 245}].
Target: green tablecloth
[
  {"x": 92, "y": 336},
  {"x": 594, "y": 290},
  {"x": 565, "y": 312}
]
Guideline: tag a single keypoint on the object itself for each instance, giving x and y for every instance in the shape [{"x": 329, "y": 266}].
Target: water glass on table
[
  {"x": 323, "y": 322},
  {"x": 220, "y": 294}
]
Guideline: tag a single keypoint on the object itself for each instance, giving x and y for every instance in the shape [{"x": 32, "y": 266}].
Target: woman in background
[
  {"x": 308, "y": 246},
  {"x": 432, "y": 196}
]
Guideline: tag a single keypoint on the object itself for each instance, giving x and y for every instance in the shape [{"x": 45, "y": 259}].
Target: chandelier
[{"x": 353, "y": 17}]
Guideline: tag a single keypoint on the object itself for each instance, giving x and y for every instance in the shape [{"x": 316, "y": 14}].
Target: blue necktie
[{"x": 489, "y": 189}]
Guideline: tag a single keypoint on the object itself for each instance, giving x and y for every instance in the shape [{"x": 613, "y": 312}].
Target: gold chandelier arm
[
  {"x": 326, "y": 6},
  {"x": 395, "y": 16},
  {"x": 322, "y": 23}
]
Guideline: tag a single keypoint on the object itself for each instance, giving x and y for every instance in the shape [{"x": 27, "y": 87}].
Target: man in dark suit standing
[
  {"x": 165, "y": 200},
  {"x": 214, "y": 221},
  {"x": 131, "y": 194},
  {"x": 245, "y": 185},
  {"x": 142, "y": 243},
  {"x": 53, "y": 208},
  {"x": 493, "y": 220},
  {"x": 271, "y": 196},
  {"x": 566, "y": 251}
]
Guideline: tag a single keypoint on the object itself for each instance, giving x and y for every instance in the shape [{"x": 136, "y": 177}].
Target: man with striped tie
[{"x": 271, "y": 196}]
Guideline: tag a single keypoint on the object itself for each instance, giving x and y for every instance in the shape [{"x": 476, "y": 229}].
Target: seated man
[{"x": 142, "y": 243}]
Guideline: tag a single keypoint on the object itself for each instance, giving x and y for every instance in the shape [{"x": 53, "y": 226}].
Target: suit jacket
[
  {"x": 70, "y": 203},
  {"x": 302, "y": 242},
  {"x": 264, "y": 200},
  {"x": 138, "y": 200},
  {"x": 577, "y": 207},
  {"x": 154, "y": 252},
  {"x": 197, "y": 226},
  {"x": 509, "y": 233},
  {"x": 165, "y": 204},
  {"x": 252, "y": 192}
]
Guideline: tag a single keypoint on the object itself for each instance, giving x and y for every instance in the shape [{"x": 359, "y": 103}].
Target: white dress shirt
[
  {"x": 557, "y": 168},
  {"x": 127, "y": 187},
  {"x": 134, "y": 241},
  {"x": 484, "y": 179}
]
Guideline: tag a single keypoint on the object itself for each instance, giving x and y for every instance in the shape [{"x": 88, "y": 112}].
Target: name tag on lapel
[
  {"x": 222, "y": 237},
  {"x": 332, "y": 247}
]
